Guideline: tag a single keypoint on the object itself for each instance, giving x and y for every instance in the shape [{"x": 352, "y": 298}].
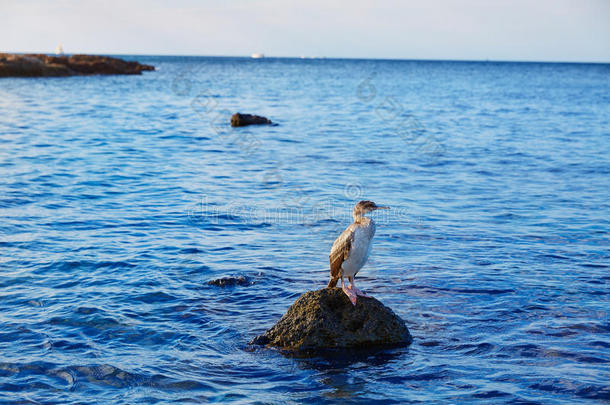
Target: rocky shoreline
[{"x": 41, "y": 65}]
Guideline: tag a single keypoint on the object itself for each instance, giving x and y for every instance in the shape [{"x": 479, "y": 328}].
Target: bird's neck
[{"x": 361, "y": 219}]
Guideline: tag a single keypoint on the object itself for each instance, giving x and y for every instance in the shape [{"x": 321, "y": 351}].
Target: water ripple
[{"x": 119, "y": 202}]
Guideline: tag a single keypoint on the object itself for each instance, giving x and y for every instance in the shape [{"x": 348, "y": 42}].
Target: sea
[{"x": 122, "y": 197}]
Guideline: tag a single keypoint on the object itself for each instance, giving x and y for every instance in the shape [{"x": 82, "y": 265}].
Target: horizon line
[{"x": 599, "y": 62}]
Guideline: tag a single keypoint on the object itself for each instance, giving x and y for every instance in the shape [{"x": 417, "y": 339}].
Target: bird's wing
[{"x": 340, "y": 251}]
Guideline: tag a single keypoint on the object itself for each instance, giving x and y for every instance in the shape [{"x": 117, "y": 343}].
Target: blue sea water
[{"x": 122, "y": 196}]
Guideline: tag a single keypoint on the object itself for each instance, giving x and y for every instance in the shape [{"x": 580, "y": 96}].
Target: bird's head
[{"x": 365, "y": 206}]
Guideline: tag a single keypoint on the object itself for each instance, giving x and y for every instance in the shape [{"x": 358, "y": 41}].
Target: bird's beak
[{"x": 382, "y": 207}]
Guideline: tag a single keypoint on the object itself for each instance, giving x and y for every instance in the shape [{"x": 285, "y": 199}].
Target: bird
[{"x": 352, "y": 248}]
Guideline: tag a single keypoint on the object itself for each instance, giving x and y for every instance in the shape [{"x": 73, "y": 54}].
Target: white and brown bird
[{"x": 352, "y": 248}]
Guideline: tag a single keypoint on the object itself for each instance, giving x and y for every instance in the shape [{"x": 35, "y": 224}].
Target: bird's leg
[
  {"x": 350, "y": 294},
  {"x": 352, "y": 286}
]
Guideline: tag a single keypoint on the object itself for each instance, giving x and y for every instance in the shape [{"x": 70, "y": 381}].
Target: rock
[
  {"x": 230, "y": 281},
  {"x": 29, "y": 66},
  {"x": 241, "y": 120},
  {"x": 41, "y": 65},
  {"x": 326, "y": 319}
]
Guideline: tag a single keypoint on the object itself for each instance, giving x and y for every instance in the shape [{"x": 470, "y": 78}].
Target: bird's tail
[{"x": 333, "y": 282}]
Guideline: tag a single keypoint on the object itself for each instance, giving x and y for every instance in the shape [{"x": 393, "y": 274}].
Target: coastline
[{"x": 42, "y": 65}]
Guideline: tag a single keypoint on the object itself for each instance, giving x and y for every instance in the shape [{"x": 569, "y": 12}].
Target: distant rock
[
  {"x": 326, "y": 319},
  {"x": 41, "y": 65},
  {"x": 230, "y": 281},
  {"x": 241, "y": 120}
]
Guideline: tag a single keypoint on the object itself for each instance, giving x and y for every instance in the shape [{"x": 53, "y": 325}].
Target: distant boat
[
  {"x": 59, "y": 50},
  {"x": 258, "y": 55}
]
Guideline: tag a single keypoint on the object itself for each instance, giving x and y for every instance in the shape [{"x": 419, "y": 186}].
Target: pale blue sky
[{"x": 548, "y": 30}]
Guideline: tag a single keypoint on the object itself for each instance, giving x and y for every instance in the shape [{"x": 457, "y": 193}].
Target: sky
[{"x": 523, "y": 30}]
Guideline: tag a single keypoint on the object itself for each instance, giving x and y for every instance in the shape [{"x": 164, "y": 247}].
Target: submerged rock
[
  {"x": 229, "y": 281},
  {"x": 241, "y": 120},
  {"x": 41, "y": 65},
  {"x": 326, "y": 319}
]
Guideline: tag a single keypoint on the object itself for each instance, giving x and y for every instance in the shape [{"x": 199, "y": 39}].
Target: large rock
[
  {"x": 30, "y": 66},
  {"x": 241, "y": 120},
  {"x": 326, "y": 319},
  {"x": 41, "y": 65}
]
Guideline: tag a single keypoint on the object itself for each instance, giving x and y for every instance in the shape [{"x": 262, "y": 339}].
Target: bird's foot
[
  {"x": 350, "y": 294},
  {"x": 360, "y": 293}
]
